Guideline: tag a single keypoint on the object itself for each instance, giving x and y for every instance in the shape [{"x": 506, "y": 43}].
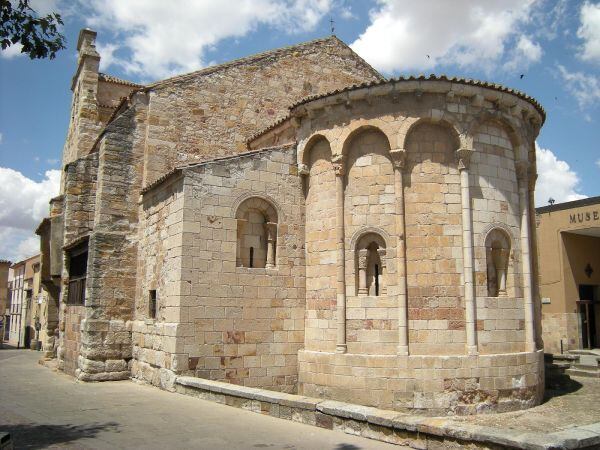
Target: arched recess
[
  {"x": 355, "y": 129},
  {"x": 463, "y": 139},
  {"x": 305, "y": 146},
  {"x": 433, "y": 229},
  {"x": 509, "y": 126},
  {"x": 257, "y": 222},
  {"x": 497, "y": 250}
]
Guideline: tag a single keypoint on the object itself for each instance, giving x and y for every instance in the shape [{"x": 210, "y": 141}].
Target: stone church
[{"x": 295, "y": 221}]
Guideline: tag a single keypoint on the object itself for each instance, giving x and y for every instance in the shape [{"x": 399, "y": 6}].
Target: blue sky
[{"x": 554, "y": 44}]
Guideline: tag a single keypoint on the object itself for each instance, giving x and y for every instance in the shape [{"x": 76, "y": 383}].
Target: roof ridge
[{"x": 244, "y": 60}]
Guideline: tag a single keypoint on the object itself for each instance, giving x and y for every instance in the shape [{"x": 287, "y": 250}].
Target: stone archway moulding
[
  {"x": 368, "y": 230},
  {"x": 248, "y": 195},
  {"x": 465, "y": 140}
]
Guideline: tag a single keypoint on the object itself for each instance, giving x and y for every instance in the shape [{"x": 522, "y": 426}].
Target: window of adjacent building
[
  {"x": 77, "y": 259},
  {"x": 152, "y": 303}
]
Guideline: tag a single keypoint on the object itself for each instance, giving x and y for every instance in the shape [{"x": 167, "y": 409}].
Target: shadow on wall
[{"x": 33, "y": 435}]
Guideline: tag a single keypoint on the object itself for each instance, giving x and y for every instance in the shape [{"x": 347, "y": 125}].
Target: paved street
[{"x": 45, "y": 409}]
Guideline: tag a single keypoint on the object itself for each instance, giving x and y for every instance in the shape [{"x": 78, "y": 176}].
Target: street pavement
[{"x": 42, "y": 408}]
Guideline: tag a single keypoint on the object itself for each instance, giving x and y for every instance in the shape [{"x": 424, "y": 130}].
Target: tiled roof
[
  {"x": 432, "y": 77},
  {"x": 112, "y": 79},
  {"x": 269, "y": 128}
]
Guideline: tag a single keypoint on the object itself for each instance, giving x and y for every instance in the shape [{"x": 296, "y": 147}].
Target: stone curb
[{"x": 585, "y": 436}]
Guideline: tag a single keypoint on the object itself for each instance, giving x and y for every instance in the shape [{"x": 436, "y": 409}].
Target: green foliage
[{"x": 39, "y": 36}]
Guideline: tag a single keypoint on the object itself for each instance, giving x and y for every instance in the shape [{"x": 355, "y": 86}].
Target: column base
[
  {"x": 472, "y": 350},
  {"x": 341, "y": 348},
  {"x": 402, "y": 350}
]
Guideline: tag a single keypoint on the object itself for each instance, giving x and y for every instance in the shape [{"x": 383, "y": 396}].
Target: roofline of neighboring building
[
  {"x": 568, "y": 205},
  {"x": 24, "y": 261},
  {"x": 178, "y": 170},
  {"x": 5, "y": 261}
]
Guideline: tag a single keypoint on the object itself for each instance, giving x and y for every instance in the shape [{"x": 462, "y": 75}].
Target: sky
[{"x": 549, "y": 49}]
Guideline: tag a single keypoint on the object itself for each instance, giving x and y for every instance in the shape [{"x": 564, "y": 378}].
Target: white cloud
[
  {"x": 166, "y": 38},
  {"x": 555, "y": 179},
  {"x": 463, "y": 32},
  {"x": 23, "y": 204},
  {"x": 589, "y": 31},
  {"x": 107, "y": 55},
  {"x": 526, "y": 53},
  {"x": 0, "y": 138},
  {"x": 12, "y": 52},
  {"x": 585, "y": 88},
  {"x": 598, "y": 163}
]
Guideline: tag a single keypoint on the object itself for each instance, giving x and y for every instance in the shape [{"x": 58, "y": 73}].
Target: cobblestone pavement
[
  {"x": 578, "y": 403},
  {"x": 46, "y": 409}
]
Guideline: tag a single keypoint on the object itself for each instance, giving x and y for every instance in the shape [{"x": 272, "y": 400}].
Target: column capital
[
  {"x": 398, "y": 158},
  {"x": 303, "y": 169},
  {"x": 338, "y": 167},
  {"x": 363, "y": 255},
  {"x": 271, "y": 229},
  {"x": 522, "y": 168},
  {"x": 463, "y": 157}
]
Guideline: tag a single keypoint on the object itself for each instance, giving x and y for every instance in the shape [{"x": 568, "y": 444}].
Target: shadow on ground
[
  {"x": 557, "y": 387},
  {"x": 33, "y": 436}
]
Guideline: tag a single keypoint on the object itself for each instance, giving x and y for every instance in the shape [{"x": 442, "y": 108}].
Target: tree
[{"x": 38, "y": 36}]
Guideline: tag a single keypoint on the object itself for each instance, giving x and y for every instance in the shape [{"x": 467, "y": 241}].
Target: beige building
[
  {"x": 22, "y": 293},
  {"x": 569, "y": 262},
  {"x": 294, "y": 221},
  {"x": 4, "y": 299}
]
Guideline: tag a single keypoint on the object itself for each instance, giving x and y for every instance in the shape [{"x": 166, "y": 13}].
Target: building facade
[
  {"x": 294, "y": 221},
  {"x": 22, "y": 297},
  {"x": 4, "y": 299},
  {"x": 569, "y": 255}
]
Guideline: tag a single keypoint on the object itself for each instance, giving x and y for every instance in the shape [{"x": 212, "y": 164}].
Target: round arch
[
  {"x": 462, "y": 140},
  {"x": 358, "y": 127},
  {"x": 306, "y": 145},
  {"x": 516, "y": 140},
  {"x": 276, "y": 212}
]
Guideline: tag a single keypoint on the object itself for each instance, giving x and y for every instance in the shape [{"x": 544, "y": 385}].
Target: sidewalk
[{"x": 43, "y": 409}]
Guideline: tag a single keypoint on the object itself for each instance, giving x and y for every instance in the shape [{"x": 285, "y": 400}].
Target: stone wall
[
  {"x": 321, "y": 258},
  {"x": 106, "y": 348},
  {"x": 435, "y": 174},
  {"x": 428, "y": 385},
  {"x": 557, "y": 327},
  {"x": 80, "y": 182},
  {"x": 211, "y": 113},
  {"x": 237, "y": 324},
  {"x": 436, "y": 311},
  {"x": 158, "y": 340}
]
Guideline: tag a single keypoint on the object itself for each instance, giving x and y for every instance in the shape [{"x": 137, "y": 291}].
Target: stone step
[
  {"x": 583, "y": 373},
  {"x": 564, "y": 357},
  {"x": 586, "y": 367},
  {"x": 584, "y": 351},
  {"x": 557, "y": 365}
]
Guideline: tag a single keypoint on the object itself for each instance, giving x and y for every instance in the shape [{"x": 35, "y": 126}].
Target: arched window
[
  {"x": 256, "y": 233},
  {"x": 371, "y": 263},
  {"x": 497, "y": 251}
]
